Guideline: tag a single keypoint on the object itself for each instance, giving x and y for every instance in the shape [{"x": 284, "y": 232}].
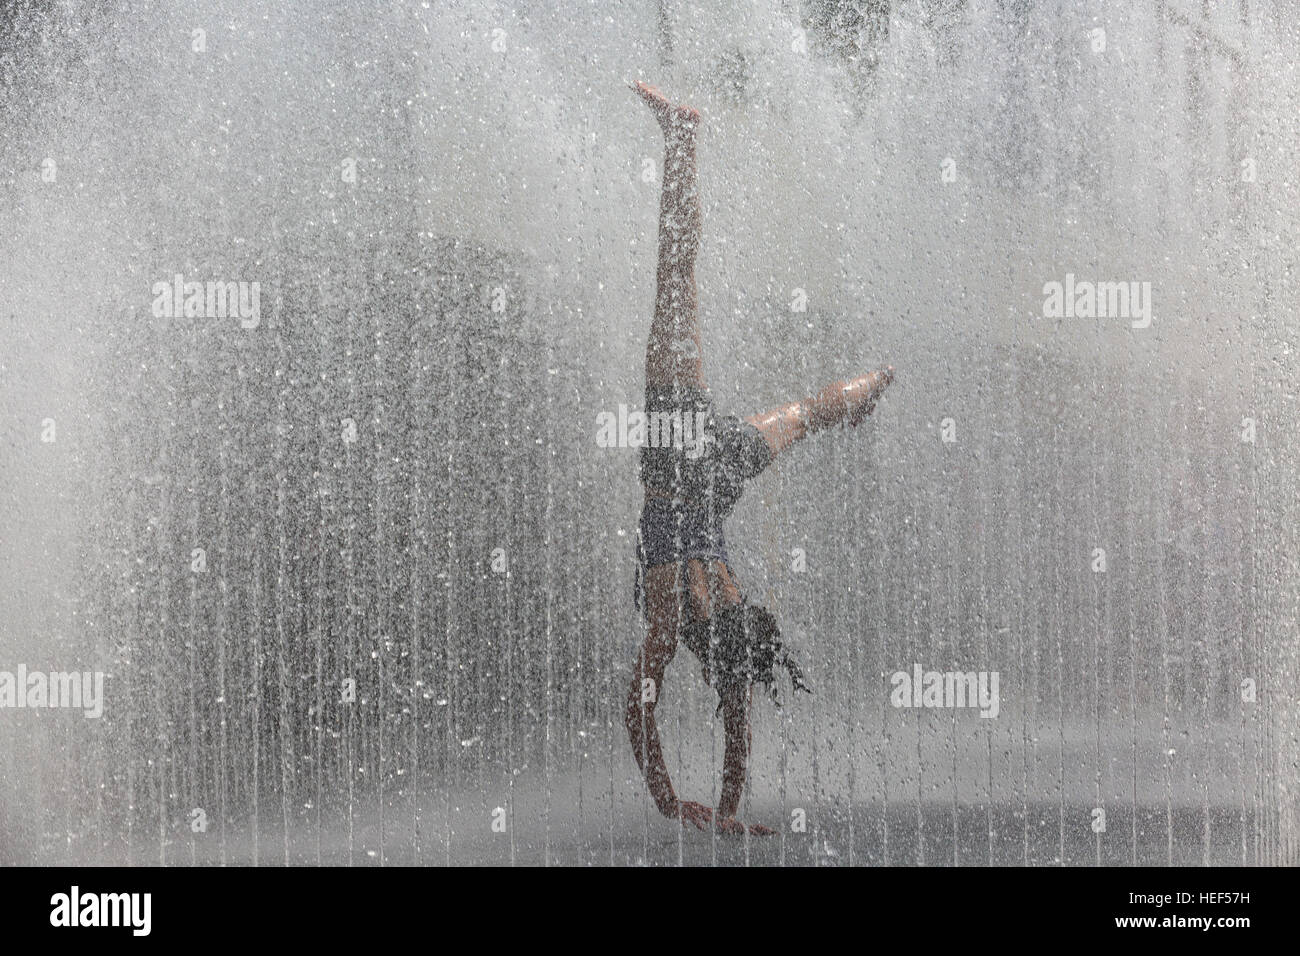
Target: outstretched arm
[
  {"x": 644, "y": 693},
  {"x": 736, "y": 707}
]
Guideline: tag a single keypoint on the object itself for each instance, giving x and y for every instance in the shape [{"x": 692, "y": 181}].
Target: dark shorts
[
  {"x": 703, "y": 473},
  {"x": 696, "y": 454}
]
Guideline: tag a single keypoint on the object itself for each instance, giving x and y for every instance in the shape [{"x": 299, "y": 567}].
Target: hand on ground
[{"x": 696, "y": 813}]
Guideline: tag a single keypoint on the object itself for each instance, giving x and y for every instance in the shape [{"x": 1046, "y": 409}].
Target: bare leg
[
  {"x": 673, "y": 354},
  {"x": 850, "y": 401}
]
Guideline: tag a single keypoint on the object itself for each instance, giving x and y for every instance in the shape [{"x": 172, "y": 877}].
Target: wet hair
[{"x": 740, "y": 645}]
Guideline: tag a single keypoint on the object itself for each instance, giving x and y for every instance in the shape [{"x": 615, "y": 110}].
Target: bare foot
[
  {"x": 673, "y": 120},
  {"x": 733, "y": 827},
  {"x": 861, "y": 393}
]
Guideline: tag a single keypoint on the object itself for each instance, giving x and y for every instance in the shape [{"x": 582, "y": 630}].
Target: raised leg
[
  {"x": 845, "y": 401},
  {"x": 673, "y": 354}
]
